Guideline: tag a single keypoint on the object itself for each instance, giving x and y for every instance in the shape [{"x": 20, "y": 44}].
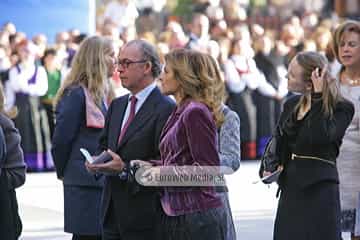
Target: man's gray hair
[{"x": 149, "y": 53}]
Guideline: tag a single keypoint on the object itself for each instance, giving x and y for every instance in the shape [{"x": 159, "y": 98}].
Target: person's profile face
[
  {"x": 295, "y": 81},
  {"x": 110, "y": 60},
  {"x": 169, "y": 85},
  {"x": 131, "y": 67}
]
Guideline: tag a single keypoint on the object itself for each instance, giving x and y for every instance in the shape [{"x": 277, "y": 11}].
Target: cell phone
[{"x": 102, "y": 158}]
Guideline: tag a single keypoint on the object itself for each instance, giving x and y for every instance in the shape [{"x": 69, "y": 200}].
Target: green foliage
[{"x": 183, "y": 9}]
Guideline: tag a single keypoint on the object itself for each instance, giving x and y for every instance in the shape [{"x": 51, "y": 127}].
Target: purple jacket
[{"x": 189, "y": 138}]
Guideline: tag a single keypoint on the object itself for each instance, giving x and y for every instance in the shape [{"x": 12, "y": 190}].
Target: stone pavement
[
  {"x": 253, "y": 205},
  {"x": 41, "y": 207}
]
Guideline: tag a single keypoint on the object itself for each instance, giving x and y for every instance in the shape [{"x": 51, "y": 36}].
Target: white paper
[{"x": 87, "y": 155}]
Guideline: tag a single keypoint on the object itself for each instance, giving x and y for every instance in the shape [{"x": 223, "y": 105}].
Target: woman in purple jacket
[{"x": 189, "y": 138}]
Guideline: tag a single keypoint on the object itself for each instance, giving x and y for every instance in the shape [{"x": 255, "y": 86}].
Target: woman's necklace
[{"x": 351, "y": 81}]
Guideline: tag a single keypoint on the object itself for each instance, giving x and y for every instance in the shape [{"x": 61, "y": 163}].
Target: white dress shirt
[{"x": 141, "y": 97}]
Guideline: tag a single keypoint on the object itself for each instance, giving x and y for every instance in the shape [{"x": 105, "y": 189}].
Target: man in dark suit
[{"x": 132, "y": 131}]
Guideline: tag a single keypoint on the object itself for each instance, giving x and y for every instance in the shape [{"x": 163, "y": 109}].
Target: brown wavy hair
[{"x": 198, "y": 75}]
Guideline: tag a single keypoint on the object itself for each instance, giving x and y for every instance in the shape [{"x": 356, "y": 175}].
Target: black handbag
[
  {"x": 276, "y": 153},
  {"x": 270, "y": 161}
]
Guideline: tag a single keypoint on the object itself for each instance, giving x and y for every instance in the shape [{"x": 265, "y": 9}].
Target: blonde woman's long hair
[
  {"x": 331, "y": 95},
  {"x": 197, "y": 75},
  {"x": 10, "y": 113},
  {"x": 219, "y": 83},
  {"x": 89, "y": 69}
]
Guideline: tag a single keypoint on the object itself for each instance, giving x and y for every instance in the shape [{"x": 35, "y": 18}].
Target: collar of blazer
[{"x": 146, "y": 111}]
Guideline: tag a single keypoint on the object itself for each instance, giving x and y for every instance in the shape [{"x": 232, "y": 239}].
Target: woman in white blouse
[
  {"x": 27, "y": 82},
  {"x": 347, "y": 51}
]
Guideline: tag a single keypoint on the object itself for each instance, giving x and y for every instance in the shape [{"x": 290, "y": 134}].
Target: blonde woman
[
  {"x": 347, "y": 51},
  {"x": 313, "y": 125},
  {"x": 81, "y": 105}
]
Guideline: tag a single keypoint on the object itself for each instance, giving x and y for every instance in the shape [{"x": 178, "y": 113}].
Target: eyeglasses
[{"x": 125, "y": 63}]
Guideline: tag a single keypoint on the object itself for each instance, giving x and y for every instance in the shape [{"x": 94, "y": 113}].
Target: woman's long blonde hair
[
  {"x": 10, "y": 113},
  {"x": 197, "y": 75},
  {"x": 309, "y": 61},
  {"x": 89, "y": 69}
]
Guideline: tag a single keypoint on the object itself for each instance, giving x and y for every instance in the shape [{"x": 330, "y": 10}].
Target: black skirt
[
  {"x": 209, "y": 225},
  {"x": 312, "y": 213}
]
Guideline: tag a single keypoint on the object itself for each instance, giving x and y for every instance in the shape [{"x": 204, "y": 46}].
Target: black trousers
[
  {"x": 10, "y": 222},
  {"x": 112, "y": 229}
]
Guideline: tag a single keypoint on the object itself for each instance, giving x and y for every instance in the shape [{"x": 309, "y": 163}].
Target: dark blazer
[
  {"x": 309, "y": 204},
  {"x": 2, "y": 149},
  {"x": 8, "y": 227},
  {"x": 14, "y": 167},
  {"x": 315, "y": 136},
  {"x": 82, "y": 192},
  {"x": 70, "y": 135},
  {"x": 134, "y": 206}
]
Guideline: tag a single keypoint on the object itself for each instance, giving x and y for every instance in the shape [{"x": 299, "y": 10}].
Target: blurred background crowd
[{"x": 253, "y": 41}]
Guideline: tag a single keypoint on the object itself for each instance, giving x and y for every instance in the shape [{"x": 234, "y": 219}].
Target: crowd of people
[
  {"x": 252, "y": 58},
  {"x": 228, "y": 82}
]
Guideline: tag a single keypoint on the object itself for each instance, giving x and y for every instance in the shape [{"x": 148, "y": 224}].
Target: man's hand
[
  {"x": 88, "y": 166},
  {"x": 115, "y": 166}
]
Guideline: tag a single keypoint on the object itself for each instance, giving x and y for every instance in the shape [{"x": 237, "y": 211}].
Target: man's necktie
[{"x": 133, "y": 101}]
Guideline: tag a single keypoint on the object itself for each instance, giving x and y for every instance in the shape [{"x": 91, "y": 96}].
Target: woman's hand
[
  {"x": 140, "y": 163},
  {"x": 266, "y": 173},
  {"x": 317, "y": 79}
]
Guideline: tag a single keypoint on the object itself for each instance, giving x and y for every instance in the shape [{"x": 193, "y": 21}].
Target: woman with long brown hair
[{"x": 194, "y": 213}]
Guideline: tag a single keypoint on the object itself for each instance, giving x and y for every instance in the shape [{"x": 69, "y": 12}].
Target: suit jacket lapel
[
  {"x": 141, "y": 117},
  {"x": 117, "y": 118}
]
